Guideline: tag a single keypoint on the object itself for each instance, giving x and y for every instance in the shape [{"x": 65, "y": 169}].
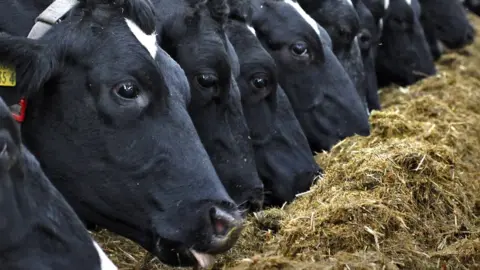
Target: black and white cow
[
  {"x": 39, "y": 230},
  {"x": 340, "y": 20},
  {"x": 282, "y": 154},
  {"x": 403, "y": 53},
  {"x": 368, "y": 38},
  {"x": 192, "y": 33},
  {"x": 445, "y": 22},
  {"x": 107, "y": 120},
  {"x": 322, "y": 95}
]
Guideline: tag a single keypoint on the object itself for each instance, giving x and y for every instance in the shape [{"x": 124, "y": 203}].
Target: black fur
[
  {"x": 282, "y": 154},
  {"x": 341, "y": 21},
  {"x": 39, "y": 229},
  {"x": 323, "y": 96},
  {"x": 403, "y": 53},
  {"x": 368, "y": 38},
  {"x": 134, "y": 166},
  {"x": 447, "y": 21},
  {"x": 199, "y": 44}
]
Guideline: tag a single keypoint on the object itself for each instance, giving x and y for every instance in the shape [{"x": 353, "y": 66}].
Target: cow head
[
  {"x": 368, "y": 39},
  {"x": 449, "y": 21},
  {"x": 323, "y": 97},
  {"x": 340, "y": 20},
  {"x": 35, "y": 217},
  {"x": 193, "y": 34},
  {"x": 428, "y": 25},
  {"x": 403, "y": 53},
  {"x": 107, "y": 120},
  {"x": 283, "y": 157}
]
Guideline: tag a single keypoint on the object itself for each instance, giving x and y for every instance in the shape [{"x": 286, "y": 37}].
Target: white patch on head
[
  {"x": 409, "y": 2},
  {"x": 350, "y": 2},
  {"x": 380, "y": 23},
  {"x": 387, "y": 4},
  {"x": 147, "y": 41},
  {"x": 304, "y": 15},
  {"x": 252, "y": 30},
  {"x": 105, "y": 262}
]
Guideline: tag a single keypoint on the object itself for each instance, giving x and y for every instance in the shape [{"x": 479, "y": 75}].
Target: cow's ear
[
  {"x": 141, "y": 12},
  {"x": 26, "y": 65}
]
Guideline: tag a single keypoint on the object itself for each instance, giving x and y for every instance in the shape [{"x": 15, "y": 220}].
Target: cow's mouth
[
  {"x": 184, "y": 257},
  {"x": 198, "y": 256}
]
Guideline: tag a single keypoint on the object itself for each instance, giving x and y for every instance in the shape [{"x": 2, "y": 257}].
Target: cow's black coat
[
  {"x": 192, "y": 33},
  {"x": 340, "y": 20},
  {"x": 403, "y": 54},
  {"x": 368, "y": 38},
  {"x": 109, "y": 125},
  {"x": 322, "y": 95},
  {"x": 38, "y": 229},
  {"x": 283, "y": 157},
  {"x": 446, "y": 21}
]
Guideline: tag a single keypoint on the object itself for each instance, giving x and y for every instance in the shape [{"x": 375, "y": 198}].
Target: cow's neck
[{"x": 14, "y": 206}]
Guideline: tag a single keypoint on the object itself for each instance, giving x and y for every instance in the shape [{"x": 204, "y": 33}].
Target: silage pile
[{"x": 407, "y": 197}]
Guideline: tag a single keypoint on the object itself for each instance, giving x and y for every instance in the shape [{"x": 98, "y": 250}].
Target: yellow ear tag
[{"x": 8, "y": 76}]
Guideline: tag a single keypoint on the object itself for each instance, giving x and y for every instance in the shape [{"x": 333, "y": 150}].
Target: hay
[{"x": 408, "y": 196}]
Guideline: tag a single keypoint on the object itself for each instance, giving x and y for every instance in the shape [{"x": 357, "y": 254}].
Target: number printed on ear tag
[{"x": 8, "y": 76}]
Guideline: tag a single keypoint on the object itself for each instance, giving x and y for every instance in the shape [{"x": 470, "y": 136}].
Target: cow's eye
[
  {"x": 127, "y": 90},
  {"x": 206, "y": 80},
  {"x": 299, "y": 49},
  {"x": 397, "y": 21},
  {"x": 259, "y": 82}
]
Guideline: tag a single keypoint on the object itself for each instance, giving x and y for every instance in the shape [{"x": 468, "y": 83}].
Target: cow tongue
[{"x": 204, "y": 260}]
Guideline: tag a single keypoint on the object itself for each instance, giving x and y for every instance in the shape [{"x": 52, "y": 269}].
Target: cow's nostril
[{"x": 222, "y": 221}]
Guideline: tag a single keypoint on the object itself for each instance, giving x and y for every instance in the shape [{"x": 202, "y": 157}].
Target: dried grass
[{"x": 406, "y": 197}]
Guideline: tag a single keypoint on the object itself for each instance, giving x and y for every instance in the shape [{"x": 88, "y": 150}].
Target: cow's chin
[
  {"x": 184, "y": 257},
  {"x": 199, "y": 256}
]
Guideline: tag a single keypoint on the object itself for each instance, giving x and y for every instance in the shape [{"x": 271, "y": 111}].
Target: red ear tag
[{"x": 23, "y": 108}]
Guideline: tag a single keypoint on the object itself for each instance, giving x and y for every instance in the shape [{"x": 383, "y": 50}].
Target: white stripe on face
[
  {"x": 304, "y": 15},
  {"x": 147, "y": 41},
  {"x": 387, "y": 4},
  {"x": 409, "y": 2},
  {"x": 105, "y": 262},
  {"x": 350, "y": 2},
  {"x": 252, "y": 30}
]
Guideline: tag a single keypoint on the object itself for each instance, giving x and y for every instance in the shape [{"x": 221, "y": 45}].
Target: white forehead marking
[
  {"x": 350, "y": 2},
  {"x": 147, "y": 41},
  {"x": 304, "y": 15},
  {"x": 409, "y": 2},
  {"x": 252, "y": 30},
  {"x": 105, "y": 262},
  {"x": 387, "y": 4}
]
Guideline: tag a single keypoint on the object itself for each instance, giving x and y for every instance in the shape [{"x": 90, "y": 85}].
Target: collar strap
[{"x": 50, "y": 16}]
